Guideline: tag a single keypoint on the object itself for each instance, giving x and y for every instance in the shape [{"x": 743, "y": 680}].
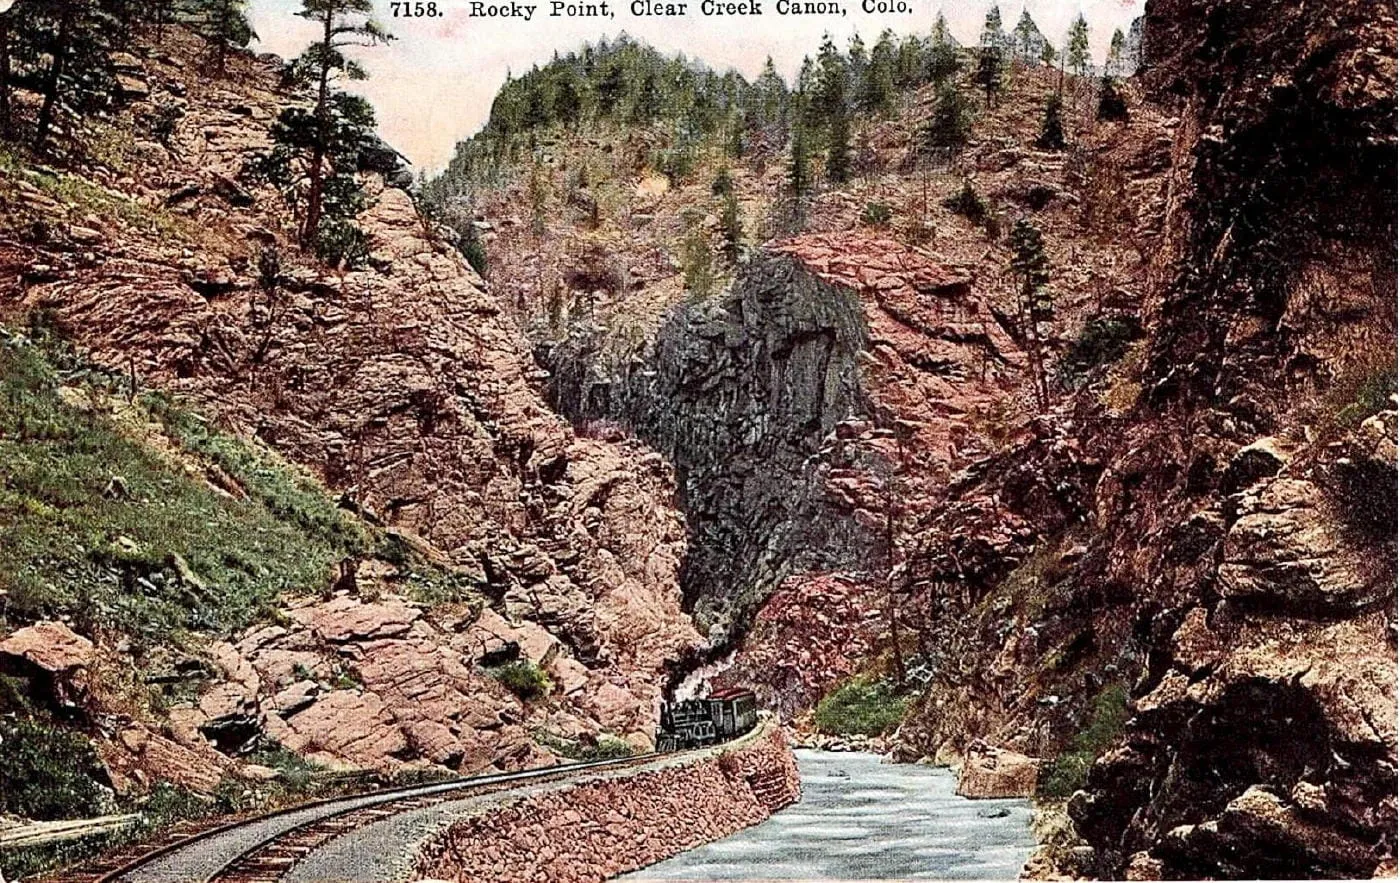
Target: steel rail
[{"x": 447, "y": 790}]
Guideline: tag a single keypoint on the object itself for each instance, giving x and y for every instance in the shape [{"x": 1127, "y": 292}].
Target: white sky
[{"x": 433, "y": 86}]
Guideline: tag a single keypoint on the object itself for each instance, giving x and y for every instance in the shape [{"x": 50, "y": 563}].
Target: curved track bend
[{"x": 263, "y": 849}]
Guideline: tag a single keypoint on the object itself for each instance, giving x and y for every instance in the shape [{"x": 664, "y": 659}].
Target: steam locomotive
[{"x": 693, "y": 723}]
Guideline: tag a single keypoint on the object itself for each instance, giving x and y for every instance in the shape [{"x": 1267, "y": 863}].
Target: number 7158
[{"x": 414, "y": 10}]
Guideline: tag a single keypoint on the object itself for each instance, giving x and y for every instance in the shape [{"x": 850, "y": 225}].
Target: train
[{"x": 695, "y": 723}]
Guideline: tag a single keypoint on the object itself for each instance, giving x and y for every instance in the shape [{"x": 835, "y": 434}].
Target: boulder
[
  {"x": 1287, "y": 549},
  {"x": 989, "y": 773},
  {"x": 346, "y": 619},
  {"x": 50, "y": 646}
]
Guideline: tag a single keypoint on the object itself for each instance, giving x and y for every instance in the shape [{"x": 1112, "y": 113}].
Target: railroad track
[{"x": 264, "y": 848}]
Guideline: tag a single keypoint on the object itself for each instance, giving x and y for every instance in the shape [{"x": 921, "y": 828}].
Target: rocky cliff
[
  {"x": 406, "y": 390},
  {"x": 1263, "y": 742},
  {"x": 1213, "y": 552},
  {"x": 838, "y": 374},
  {"x": 740, "y": 395}
]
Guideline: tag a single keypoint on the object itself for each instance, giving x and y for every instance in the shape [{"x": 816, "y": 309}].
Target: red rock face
[
  {"x": 938, "y": 356},
  {"x": 935, "y": 361},
  {"x": 404, "y": 386},
  {"x": 811, "y": 634}
]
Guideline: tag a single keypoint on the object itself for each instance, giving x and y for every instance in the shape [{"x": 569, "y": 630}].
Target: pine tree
[
  {"x": 948, "y": 128},
  {"x": 1035, "y": 304},
  {"x": 771, "y": 96},
  {"x": 697, "y": 264},
  {"x": 989, "y": 72},
  {"x": 942, "y": 36},
  {"x": 941, "y": 62},
  {"x": 1052, "y": 126},
  {"x": 63, "y": 50},
  {"x": 993, "y": 32},
  {"x": 838, "y": 155},
  {"x": 806, "y": 78},
  {"x": 878, "y": 93},
  {"x": 1112, "y": 106},
  {"x": 831, "y": 92},
  {"x": 799, "y": 176},
  {"x": 568, "y": 98},
  {"x": 612, "y": 89},
  {"x": 646, "y": 107},
  {"x": 223, "y": 24},
  {"x": 1030, "y": 43},
  {"x": 537, "y": 103},
  {"x": 732, "y": 224},
  {"x": 910, "y": 61},
  {"x": 329, "y": 135},
  {"x": 857, "y": 62},
  {"x": 1077, "y": 46},
  {"x": 1116, "y": 47},
  {"x": 1133, "y": 50}
]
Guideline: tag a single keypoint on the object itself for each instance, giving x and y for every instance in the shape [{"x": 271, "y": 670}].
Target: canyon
[{"x": 1170, "y": 587}]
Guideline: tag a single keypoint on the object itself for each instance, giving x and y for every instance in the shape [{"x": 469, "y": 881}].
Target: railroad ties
[
  {"x": 272, "y": 858},
  {"x": 270, "y": 861}
]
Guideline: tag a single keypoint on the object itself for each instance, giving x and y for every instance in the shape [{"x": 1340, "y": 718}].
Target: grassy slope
[{"x": 109, "y": 517}]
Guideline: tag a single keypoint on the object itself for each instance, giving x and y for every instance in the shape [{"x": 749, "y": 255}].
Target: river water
[{"x": 860, "y": 819}]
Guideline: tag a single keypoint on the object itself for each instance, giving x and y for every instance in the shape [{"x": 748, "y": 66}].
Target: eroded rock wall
[
  {"x": 839, "y": 379},
  {"x": 1212, "y": 552},
  {"x": 594, "y": 830},
  {"x": 1264, "y": 738},
  {"x": 739, "y": 394},
  {"x": 403, "y": 385}
]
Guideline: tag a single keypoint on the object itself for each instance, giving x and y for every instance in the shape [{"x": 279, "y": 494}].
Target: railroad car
[{"x": 693, "y": 723}]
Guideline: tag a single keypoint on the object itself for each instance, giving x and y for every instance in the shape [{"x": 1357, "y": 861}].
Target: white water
[{"x": 860, "y": 819}]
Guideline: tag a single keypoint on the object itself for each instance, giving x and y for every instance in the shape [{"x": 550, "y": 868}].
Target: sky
[{"x": 433, "y": 86}]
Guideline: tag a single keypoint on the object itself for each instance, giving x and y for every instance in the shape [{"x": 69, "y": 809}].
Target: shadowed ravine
[{"x": 861, "y": 819}]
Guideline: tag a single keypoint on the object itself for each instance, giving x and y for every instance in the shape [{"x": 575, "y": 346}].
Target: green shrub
[
  {"x": 676, "y": 163},
  {"x": 732, "y": 226},
  {"x": 1112, "y": 106},
  {"x": 168, "y": 804},
  {"x": 297, "y": 774},
  {"x": 1102, "y": 341},
  {"x": 1052, "y": 126},
  {"x": 876, "y": 214},
  {"x": 341, "y": 244},
  {"x": 723, "y": 184},
  {"x": 47, "y": 772},
  {"x": 968, "y": 204},
  {"x": 606, "y": 747},
  {"x": 1367, "y": 393},
  {"x": 1069, "y": 770},
  {"x": 860, "y": 707},
  {"x": 525, "y": 679},
  {"x": 474, "y": 250},
  {"x": 698, "y": 265}
]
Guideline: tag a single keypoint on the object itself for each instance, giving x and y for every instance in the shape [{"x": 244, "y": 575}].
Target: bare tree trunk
[
  {"x": 317, "y": 176},
  {"x": 5, "y": 118},
  {"x": 1042, "y": 389},
  {"x": 54, "y": 79}
]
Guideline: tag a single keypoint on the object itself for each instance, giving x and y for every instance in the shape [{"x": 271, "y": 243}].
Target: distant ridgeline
[{"x": 626, "y": 83}]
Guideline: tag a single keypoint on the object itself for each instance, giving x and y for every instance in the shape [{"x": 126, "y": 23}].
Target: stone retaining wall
[{"x": 599, "y": 827}]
